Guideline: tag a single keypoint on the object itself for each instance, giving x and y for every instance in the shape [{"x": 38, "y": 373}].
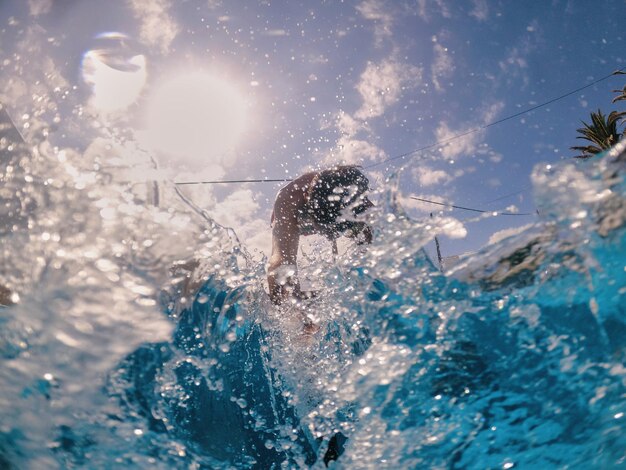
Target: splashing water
[{"x": 142, "y": 337}]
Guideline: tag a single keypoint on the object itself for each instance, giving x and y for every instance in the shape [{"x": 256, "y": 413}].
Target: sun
[{"x": 195, "y": 118}]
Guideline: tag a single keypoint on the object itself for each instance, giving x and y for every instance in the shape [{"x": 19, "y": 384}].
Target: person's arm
[
  {"x": 282, "y": 275},
  {"x": 361, "y": 233}
]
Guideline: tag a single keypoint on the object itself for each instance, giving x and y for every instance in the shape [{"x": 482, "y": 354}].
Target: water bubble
[{"x": 231, "y": 336}]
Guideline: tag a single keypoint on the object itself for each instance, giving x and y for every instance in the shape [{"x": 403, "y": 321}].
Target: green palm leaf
[
  {"x": 622, "y": 92},
  {"x": 621, "y": 96},
  {"x": 602, "y": 131}
]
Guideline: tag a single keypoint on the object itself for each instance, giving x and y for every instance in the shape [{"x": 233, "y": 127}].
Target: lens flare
[{"x": 115, "y": 73}]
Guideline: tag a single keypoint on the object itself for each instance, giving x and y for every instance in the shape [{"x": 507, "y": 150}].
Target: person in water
[{"x": 322, "y": 202}]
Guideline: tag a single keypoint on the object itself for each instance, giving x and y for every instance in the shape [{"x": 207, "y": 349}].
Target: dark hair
[{"x": 332, "y": 192}]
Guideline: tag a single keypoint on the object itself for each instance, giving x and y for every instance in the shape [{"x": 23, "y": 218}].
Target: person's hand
[
  {"x": 283, "y": 283},
  {"x": 6, "y": 296},
  {"x": 365, "y": 236},
  {"x": 306, "y": 295},
  {"x": 361, "y": 233}
]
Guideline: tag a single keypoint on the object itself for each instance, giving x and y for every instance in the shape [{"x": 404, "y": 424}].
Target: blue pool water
[{"x": 111, "y": 358}]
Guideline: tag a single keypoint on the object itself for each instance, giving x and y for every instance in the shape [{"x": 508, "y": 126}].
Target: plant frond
[
  {"x": 615, "y": 117},
  {"x": 588, "y": 149},
  {"x": 620, "y": 97},
  {"x": 602, "y": 132}
]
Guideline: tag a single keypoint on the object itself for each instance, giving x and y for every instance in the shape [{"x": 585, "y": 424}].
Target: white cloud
[
  {"x": 239, "y": 211},
  {"x": 351, "y": 148},
  {"x": 211, "y": 171},
  {"x": 39, "y": 7},
  {"x": 275, "y": 32},
  {"x": 466, "y": 141},
  {"x": 480, "y": 10},
  {"x": 514, "y": 66},
  {"x": 421, "y": 9},
  {"x": 506, "y": 233},
  {"x": 413, "y": 204},
  {"x": 514, "y": 62},
  {"x": 453, "y": 146},
  {"x": 495, "y": 157},
  {"x": 354, "y": 151},
  {"x": 442, "y": 66},
  {"x": 449, "y": 226},
  {"x": 429, "y": 177},
  {"x": 349, "y": 126},
  {"x": 257, "y": 237},
  {"x": 377, "y": 11},
  {"x": 238, "y": 207},
  {"x": 381, "y": 86},
  {"x": 425, "y": 7},
  {"x": 157, "y": 27},
  {"x": 491, "y": 112}
]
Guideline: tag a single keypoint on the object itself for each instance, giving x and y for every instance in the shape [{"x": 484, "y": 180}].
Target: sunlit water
[{"x": 121, "y": 352}]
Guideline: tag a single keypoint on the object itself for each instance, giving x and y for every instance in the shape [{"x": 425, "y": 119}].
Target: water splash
[{"x": 143, "y": 337}]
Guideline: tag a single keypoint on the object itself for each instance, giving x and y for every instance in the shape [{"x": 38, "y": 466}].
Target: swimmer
[{"x": 323, "y": 202}]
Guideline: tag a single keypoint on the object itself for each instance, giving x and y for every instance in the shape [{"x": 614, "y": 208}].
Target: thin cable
[
  {"x": 3, "y": 110},
  {"x": 498, "y": 121},
  {"x": 469, "y": 208},
  {"x": 440, "y": 142},
  {"x": 519, "y": 191},
  {"x": 237, "y": 181}
]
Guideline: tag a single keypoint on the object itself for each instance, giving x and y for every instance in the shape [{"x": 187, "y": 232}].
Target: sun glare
[{"x": 195, "y": 118}]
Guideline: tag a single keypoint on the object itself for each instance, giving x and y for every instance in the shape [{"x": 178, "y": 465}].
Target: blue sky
[{"x": 321, "y": 83}]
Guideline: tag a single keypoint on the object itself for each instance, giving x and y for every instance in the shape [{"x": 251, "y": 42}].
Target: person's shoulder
[
  {"x": 306, "y": 178},
  {"x": 300, "y": 184}
]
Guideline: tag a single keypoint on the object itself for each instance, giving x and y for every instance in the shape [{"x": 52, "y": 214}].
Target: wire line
[
  {"x": 468, "y": 208},
  {"x": 237, "y": 181},
  {"x": 440, "y": 142},
  {"x": 498, "y": 121}
]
